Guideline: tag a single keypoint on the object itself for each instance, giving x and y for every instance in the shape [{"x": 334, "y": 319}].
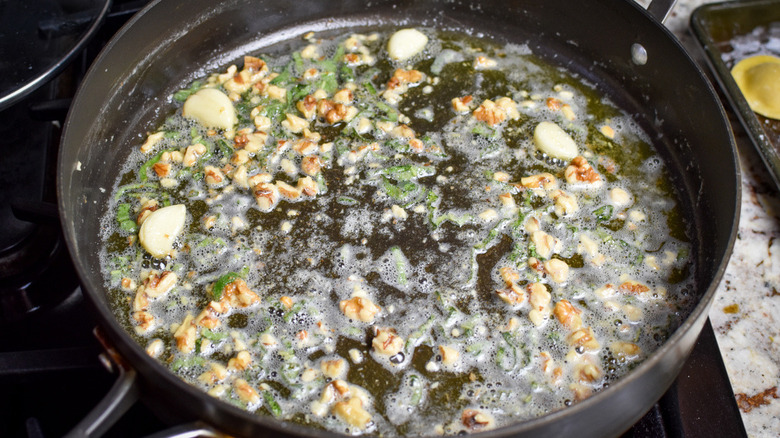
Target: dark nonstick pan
[{"x": 615, "y": 44}]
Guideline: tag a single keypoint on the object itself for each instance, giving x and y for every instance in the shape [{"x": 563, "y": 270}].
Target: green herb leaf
[
  {"x": 182, "y": 95},
  {"x": 212, "y": 336},
  {"x": 603, "y": 213},
  {"x": 452, "y": 217},
  {"x": 123, "y": 217},
  {"x": 224, "y": 280},
  {"x": 271, "y": 403},
  {"x": 144, "y": 169},
  {"x": 400, "y": 264}
]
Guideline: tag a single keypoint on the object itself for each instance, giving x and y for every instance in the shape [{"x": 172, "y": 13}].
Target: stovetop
[{"x": 51, "y": 370}]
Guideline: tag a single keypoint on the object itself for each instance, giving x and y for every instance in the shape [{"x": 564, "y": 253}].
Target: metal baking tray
[{"x": 728, "y": 32}]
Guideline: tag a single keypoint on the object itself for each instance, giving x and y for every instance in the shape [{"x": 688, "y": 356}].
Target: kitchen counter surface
[{"x": 746, "y": 310}]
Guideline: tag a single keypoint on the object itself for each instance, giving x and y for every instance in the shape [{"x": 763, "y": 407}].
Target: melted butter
[{"x": 421, "y": 247}]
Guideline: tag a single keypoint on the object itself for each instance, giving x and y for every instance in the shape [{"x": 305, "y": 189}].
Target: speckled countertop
[{"x": 746, "y": 310}]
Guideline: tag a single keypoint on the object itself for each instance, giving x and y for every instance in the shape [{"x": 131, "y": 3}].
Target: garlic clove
[
  {"x": 406, "y": 43},
  {"x": 554, "y": 141},
  {"x": 161, "y": 228},
  {"x": 211, "y": 108}
]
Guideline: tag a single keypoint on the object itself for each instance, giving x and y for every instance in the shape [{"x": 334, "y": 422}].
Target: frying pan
[{"x": 614, "y": 44}]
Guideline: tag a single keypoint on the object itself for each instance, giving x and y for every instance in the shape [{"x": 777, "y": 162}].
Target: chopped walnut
[
  {"x": 535, "y": 264},
  {"x": 245, "y": 392},
  {"x": 287, "y": 302},
  {"x": 240, "y": 177},
  {"x": 352, "y": 412},
  {"x": 619, "y": 197},
  {"x": 633, "y": 287},
  {"x": 146, "y": 209},
  {"x": 214, "y": 176},
  {"x": 583, "y": 337},
  {"x": 215, "y": 374},
  {"x": 501, "y": 176},
  {"x": 587, "y": 373},
  {"x": 507, "y": 200},
  {"x": 509, "y": 107},
  {"x": 483, "y": 63},
  {"x": 489, "y": 113},
  {"x": 266, "y": 195},
  {"x": 277, "y": 93},
  {"x": 162, "y": 169},
  {"x": 192, "y": 154},
  {"x": 262, "y": 123},
  {"x": 311, "y": 165},
  {"x": 449, "y": 355},
  {"x": 545, "y": 244},
  {"x": 335, "y": 369},
  {"x": 581, "y": 171},
  {"x": 625, "y": 350},
  {"x": 240, "y": 156},
  {"x": 336, "y": 112},
  {"x": 144, "y": 321},
  {"x": 157, "y": 285},
  {"x": 186, "y": 334},
  {"x": 462, "y": 104},
  {"x": 238, "y": 294},
  {"x": 387, "y": 342},
  {"x": 307, "y": 106},
  {"x": 565, "y": 204},
  {"x": 288, "y": 191},
  {"x": 567, "y": 112},
  {"x": 305, "y": 147},
  {"x": 543, "y": 180},
  {"x": 294, "y": 123},
  {"x": 128, "y": 284},
  {"x": 540, "y": 303},
  {"x": 255, "y": 141},
  {"x": 512, "y": 294},
  {"x": 343, "y": 96},
  {"x": 268, "y": 340},
  {"x": 553, "y": 103},
  {"x": 403, "y": 131},
  {"x": 155, "y": 348},
  {"x": 509, "y": 275},
  {"x": 151, "y": 141},
  {"x": 240, "y": 362},
  {"x": 476, "y": 420},
  {"x": 208, "y": 318},
  {"x": 254, "y": 64},
  {"x": 402, "y": 78},
  {"x": 359, "y": 308},
  {"x": 568, "y": 315},
  {"x": 580, "y": 391},
  {"x": 558, "y": 270},
  {"x": 308, "y": 186}
]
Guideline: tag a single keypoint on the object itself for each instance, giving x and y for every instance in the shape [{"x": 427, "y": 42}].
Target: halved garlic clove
[
  {"x": 406, "y": 43},
  {"x": 161, "y": 228},
  {"x": 211, "y": 108},
  {"x": 554, "y": 141}
]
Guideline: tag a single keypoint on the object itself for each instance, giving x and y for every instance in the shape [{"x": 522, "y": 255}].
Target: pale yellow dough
[{"x": 759, "y": 79}]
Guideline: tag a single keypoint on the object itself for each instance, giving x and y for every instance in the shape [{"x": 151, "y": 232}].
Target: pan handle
[
  {"x": 116, "y": 402},
  {"x": 122, "y": 396},
  {"x": 660, "y": 9}
]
